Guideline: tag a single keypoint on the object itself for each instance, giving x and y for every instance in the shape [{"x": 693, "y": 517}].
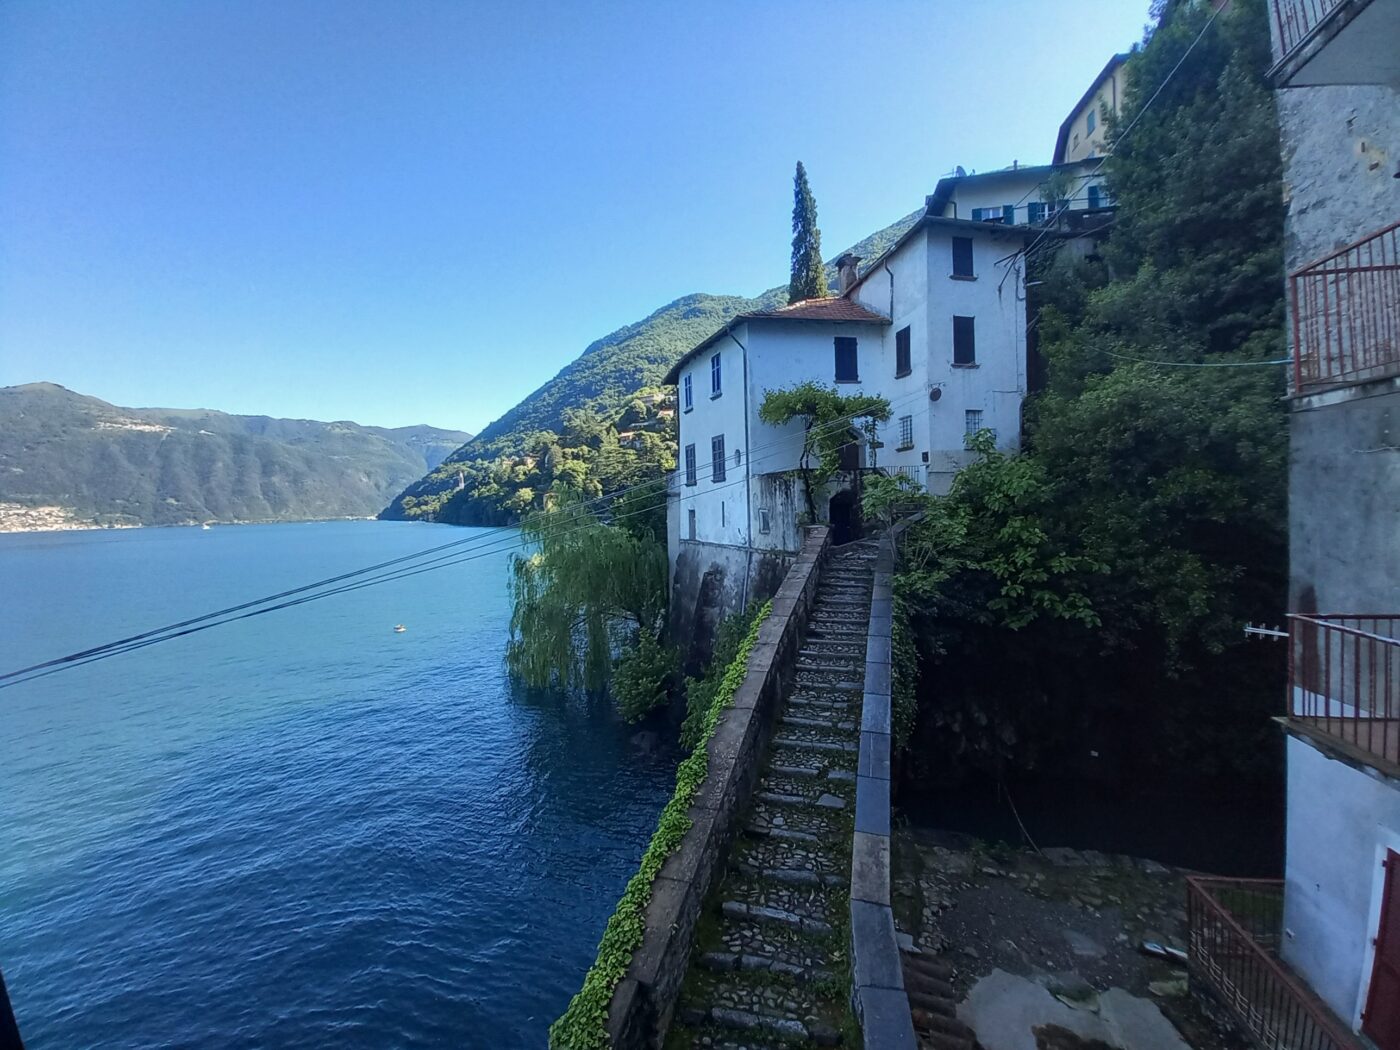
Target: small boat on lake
[{"x": 399, "y": 628}]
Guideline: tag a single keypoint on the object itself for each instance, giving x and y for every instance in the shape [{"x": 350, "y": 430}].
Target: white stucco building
[
  {"x": 936, "y": 326},
  {"x": 1021, "y": 195}
]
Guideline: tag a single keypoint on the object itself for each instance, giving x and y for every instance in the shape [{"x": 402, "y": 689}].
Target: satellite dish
[
  {"x": 935, "y": 393},
  {"x": 960, "y": 172}
]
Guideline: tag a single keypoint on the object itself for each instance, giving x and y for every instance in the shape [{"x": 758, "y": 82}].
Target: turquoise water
[{"x": 302, "y": 829}]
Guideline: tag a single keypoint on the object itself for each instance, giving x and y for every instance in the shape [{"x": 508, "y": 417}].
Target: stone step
[
  {"x": 790, "y": 876},
  {"x": 762, "y": 830},
  {"x": 751, "y": 937},
  {"x": 814, "y": 901},
  {"x": 841, "y": 654},
  {"x": 854, "y": 646},
  {"x": 821, "y": 708},
  {"x": 755, "y": 962},
  {"x": 810, "y": 722},
  {"x": 831, "y": 603},
  {"x": 768, "y": 853},
  {"x": 801, "y": 817},
  {"x": 826, "y": 800},
  {"x": 847, "y": 747},
  {"x": 930, "y": 965},
  {"x": 780, "y": 916},
  {"x": 955, "y": 1033},
  {"x": 823, "y": 678}
]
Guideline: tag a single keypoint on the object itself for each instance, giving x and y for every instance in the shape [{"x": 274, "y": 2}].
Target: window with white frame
[
  {"x": 764, "y": 524},
  {"x": 716, "y": 380},
  {"x": 972, "y": 421},
  {"x": 717, "y": 458},
  {"x": 906, "y": 433},
  {"x": 690, "y": 464},
  {"x": 687, "y": 395}
]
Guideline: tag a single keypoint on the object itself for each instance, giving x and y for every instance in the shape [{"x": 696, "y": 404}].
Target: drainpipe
[
  {"x": 748, "y": 483},
  {"x": 886, "y": 268}
]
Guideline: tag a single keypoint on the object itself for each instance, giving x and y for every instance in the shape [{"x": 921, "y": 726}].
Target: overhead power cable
[{"x": 464, "y": 550}]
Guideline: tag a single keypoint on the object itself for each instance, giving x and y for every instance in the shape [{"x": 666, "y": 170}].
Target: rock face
[{"x": 770, "y": 965}]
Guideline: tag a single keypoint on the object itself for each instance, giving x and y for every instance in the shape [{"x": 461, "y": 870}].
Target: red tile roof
[{"x": 837, "y": 308}]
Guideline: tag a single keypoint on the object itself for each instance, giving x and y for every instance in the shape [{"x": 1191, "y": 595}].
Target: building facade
[
  {"x": 1330, "y": 966},
  {"x": 936, "y": 326},
  {"x": 1083, "y": 135}
]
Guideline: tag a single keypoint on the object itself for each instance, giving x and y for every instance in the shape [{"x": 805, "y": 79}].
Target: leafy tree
[
  {"x": 586, "y": 591},
  {"x": 1089, "y": 592},
  {"x": 829, "y": 420},
  {"x": 808, "y": 274}
]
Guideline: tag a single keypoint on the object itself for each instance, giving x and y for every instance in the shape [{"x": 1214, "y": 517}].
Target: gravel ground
[{"x": 1071, "y": 920}]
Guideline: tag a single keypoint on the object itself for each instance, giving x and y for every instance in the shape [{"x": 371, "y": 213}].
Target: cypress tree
[{"x": 808, "y": 273}]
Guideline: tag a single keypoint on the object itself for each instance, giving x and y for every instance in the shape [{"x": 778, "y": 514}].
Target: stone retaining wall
[
  {"x": 878, "y": 995},
  {"x": 643, "y": 1001}
]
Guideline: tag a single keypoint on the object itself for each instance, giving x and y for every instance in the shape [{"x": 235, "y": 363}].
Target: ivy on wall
[{"x": 584, "y": 1025}]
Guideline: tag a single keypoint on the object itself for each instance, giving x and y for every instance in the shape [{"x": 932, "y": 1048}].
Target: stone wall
[
  {"x": 645, "y": 998},
  {"x": 878, "y": 995},
  {"x": 711, "y": 581}
]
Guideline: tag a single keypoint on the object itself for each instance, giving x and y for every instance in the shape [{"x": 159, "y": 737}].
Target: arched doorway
[{"x": 845, "y": 521}]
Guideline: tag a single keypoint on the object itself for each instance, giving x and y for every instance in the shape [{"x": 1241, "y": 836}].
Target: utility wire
[{"x": 473, "y": 551}]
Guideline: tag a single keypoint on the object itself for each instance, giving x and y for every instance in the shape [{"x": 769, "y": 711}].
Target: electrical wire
[{"x": 473, "y": 551}]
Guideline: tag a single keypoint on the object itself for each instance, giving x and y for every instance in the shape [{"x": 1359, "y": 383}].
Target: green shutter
[{"x": 1008, "y": 214}]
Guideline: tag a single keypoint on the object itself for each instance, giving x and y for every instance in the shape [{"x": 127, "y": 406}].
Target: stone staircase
[
  {"x": 771, "y": 961},
  {"x": 933, "y": 1003}
]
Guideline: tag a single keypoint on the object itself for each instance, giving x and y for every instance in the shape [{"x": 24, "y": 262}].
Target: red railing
[
  {"x": 1236, "y": 927},
  {"x": 1346, "y": 313},
  {"x": 1297, "y": 18},
  {"x": 1344, "y": 679}
]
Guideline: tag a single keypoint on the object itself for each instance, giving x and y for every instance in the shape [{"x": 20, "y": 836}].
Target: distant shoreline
[{"x": 15, "y": 519}]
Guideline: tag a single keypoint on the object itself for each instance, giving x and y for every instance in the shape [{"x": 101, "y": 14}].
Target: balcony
[
  {"x": 1336, "y": 42},
  {"x": 1346, "y": 314},
  {"x": 1344, "y": 685},
  {"x": 1236, "y": 930}
]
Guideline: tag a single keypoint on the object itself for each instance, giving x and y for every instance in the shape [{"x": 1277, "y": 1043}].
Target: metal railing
[
  {"x": 1344, "y": 679},
  {"x": 1346, "y": 313},
  {"x": 1236, "y": 927},
  {"x": 1297, "y": 18}
]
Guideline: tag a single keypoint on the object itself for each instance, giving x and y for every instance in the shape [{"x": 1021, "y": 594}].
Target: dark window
[
  {"x": 686, "y": 397},
  {"x": 1035, "y": 212},
  {"x": 690, "y": 464},
  {"x": 901, "y": 352},
  {"x": 1091, "y": 121},
  {"x": 962, "y": 257},
  {"x": 691, "y": 515},
  {"x": 1094, "y": 201},
  {"x": 717, "y": 458},
  {"x": 1008, "y": 214},
  {"x": 764, "y": 525},
  {"x": 964, "y": 342},
  {"x": 846, "y": 370},
  {"x": 715, "y": 378}
]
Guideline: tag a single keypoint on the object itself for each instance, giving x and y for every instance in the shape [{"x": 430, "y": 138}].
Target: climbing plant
[
  {"x": 829, "y": 420},
  {"x": 583, "y": 1025}
]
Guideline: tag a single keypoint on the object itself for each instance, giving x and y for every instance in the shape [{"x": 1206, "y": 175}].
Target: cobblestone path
[{"x": 770, "y": 966}]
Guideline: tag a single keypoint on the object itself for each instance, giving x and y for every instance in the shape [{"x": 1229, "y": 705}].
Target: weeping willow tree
[{"x": 587, "y": 591}]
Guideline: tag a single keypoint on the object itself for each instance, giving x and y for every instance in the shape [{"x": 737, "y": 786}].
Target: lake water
[{"x": 302, "y": 829}]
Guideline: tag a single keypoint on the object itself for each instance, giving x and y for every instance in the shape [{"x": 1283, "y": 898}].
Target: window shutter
[
  {"x": 1094, "y": 196},
  {"x": 847, "y": 369},
  {"x": 964, "y": 341},
  {"x": 1008, "y": 214},
  {"x": 976, "y": 214},
  {"x": 962, "y": 257}
]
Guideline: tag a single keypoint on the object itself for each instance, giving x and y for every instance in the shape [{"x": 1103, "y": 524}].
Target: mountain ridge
[
  {"x": 86, "y": 461},
  {"x": 603, "y": 378}
]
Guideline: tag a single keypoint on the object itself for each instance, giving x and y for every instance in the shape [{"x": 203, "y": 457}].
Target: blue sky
[{"x": 405, "y": 212}]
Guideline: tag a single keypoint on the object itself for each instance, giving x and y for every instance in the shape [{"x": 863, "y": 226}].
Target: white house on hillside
[
  {"x": 1018, "y": 196},
  {"x": 936, "y": 325}
]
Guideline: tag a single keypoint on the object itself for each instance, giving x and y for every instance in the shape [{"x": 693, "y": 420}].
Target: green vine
[
  {"x": 583, "y": 1026},
  {"x": 904, "y": 675}
]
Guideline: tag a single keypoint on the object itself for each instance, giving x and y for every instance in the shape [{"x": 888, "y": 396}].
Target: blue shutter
[
  {"x": 976, "y": 214},
  {"x": 1008, "y": 214},
  {"x": 1094, "y": 196}
]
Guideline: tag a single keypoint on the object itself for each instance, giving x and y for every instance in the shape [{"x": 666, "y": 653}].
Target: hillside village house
[
  {"x": 1314, "y": 960},
  {"x": 1083, "y": 134},
  {"x": 937, "y": 326}
]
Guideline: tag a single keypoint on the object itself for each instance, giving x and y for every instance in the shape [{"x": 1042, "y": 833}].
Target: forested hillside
[
  {"x": 508, "y": 468},
  {"x": 102, "y": 464}
]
